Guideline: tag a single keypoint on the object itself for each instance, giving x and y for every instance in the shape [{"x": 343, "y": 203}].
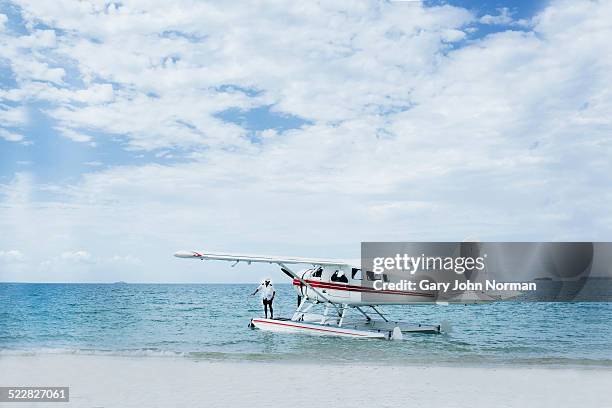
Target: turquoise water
[{"x": 203, "y": 321}]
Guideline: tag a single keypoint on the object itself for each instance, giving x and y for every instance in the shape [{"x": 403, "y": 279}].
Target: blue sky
[{"x": 128, "y": 130}]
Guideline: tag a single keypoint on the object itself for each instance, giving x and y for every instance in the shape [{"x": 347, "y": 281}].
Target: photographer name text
[{"x": 457, "y": 285}]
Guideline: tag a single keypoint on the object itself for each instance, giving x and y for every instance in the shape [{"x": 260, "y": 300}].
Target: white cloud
[
  {"x": 78, "y": 256},
  {"x": 10, "y": 136},
  {"x": 503, "y": 18},
  {"x": 453, "y": 35},
  {"x": 74, "y": 135},
  {"x": 11, "y": 256},
  {"x": 37, "y": 71},
  {"x": 13, "y": 116},
  {"x": 410, "y": 137},
  {"x": 17, "y": 193}
]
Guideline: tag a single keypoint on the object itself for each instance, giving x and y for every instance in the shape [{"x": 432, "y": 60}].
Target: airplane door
[{"x": 339, "y": 278}]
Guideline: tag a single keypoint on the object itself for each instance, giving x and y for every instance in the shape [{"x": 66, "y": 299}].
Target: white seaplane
[{"x": 339, "y": 288}]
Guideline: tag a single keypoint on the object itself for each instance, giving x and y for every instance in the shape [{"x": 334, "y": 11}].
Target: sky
[{"x": 132, "y": 129}]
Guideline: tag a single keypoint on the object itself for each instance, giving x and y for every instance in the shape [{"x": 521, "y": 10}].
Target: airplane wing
[
  {"x": 258, "y": 258},
  {"x": 282, "y": 261}
]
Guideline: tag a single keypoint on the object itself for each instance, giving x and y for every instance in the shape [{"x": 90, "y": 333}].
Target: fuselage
[{"x": 344, "y": 284}]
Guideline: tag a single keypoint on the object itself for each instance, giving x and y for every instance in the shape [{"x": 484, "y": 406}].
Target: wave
[
  {"x": 473, "y": 361},
  {"x": 94, "y": 352},
  {"x": 196, "y": 355}
]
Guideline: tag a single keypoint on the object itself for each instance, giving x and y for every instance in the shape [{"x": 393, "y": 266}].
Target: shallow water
[{"x": 205, "y": 321}]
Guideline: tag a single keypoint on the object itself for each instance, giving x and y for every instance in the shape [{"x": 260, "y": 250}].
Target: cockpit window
[
  {"x": 371, "y": 276},
  {"x": 356, "y": 274},
  {"x": 339, "y": 276},
  {"x": 317, "y": 273}
]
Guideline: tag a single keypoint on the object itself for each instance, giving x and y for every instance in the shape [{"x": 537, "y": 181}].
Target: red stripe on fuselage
[{"x": 353, "y": 288}]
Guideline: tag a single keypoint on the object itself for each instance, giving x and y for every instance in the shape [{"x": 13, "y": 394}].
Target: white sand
[{"x": 104, "y": 381}]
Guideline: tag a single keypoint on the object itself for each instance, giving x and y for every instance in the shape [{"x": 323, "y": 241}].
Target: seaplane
[{"x": 336, "y": 298}]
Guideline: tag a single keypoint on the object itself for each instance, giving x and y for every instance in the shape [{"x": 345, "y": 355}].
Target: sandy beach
[{"x": 110, "y": 381}]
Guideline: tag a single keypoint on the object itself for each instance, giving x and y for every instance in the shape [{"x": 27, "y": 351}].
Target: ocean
[{"x": 210, "y": 322}]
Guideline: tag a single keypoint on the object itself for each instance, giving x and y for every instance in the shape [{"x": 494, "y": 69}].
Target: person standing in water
[{"x": 267, "y": 296}]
